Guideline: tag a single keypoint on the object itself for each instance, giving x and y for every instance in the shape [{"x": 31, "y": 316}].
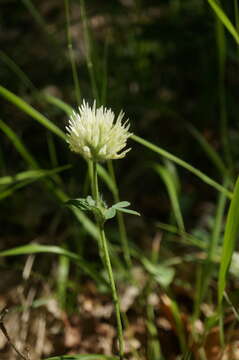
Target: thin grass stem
[
  {"x": 183, "y": 164},
  {"x": 71, "y": 54},
  {"x": 89, "y": 61},
  {"x": 221, "y": 48}
]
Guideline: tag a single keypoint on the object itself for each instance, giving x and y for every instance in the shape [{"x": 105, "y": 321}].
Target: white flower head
[{"x": 93, "y": 133}]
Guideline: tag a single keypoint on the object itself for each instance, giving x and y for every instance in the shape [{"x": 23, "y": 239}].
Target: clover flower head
[{"x": 93, "y": 133}]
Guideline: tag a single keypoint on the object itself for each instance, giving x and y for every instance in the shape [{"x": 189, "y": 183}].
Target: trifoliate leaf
[
  {"x": 129, "y": 211},
  {"x": 121, "y": 204},
  {"x": 90, "y": 200},
  {"x": 109, "y": 213},
  {"x": 163, "y": 274},
  {"x": 81, "y": 204}
]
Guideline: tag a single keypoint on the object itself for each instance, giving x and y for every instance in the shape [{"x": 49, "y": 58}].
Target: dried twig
[{"x": 5, "y": 333}]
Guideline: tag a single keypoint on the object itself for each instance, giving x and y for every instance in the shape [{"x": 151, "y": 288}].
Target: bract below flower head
[{"x": 94, "y": 133}]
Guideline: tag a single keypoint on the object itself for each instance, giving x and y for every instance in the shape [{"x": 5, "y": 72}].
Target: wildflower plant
[{"x": 95, "y": 134}]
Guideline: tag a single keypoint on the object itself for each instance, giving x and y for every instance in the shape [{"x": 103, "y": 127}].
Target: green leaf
[
  {"x": 23, "y": 151},
  {"x": 109, "y": 213},
  {"x": 84, "y": 205},
  {"x": 169, "y": 182},
  {"x": 25, "y": 178},
  {"x": 183, "y": 164},
  {"x": 90, "y": 200},
  {"x": 121, "y": 204},
  {"x": 224, "y": 19},
  {"x": 179, "y": 324},
  {"x": 37, "y": 248},
  {"x": 81, "y": 204},
  {"x": 208, "y": 149},
  {"x": 28, "y": 109},
  {"x": 128, "y": 211},
  {"x": 230, "y": 237},
  {"x": 83, "y": 357},
  {"x": 58, "y": 103},
  {"x": 163, "y": 274}
]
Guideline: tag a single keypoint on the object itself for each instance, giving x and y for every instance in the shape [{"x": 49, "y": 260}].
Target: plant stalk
[
  {"x": 71, "y": 54},
  {"x": 107, "y": 263}
]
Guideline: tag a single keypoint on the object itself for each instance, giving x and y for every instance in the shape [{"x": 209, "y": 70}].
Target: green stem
[
  {"x": 183, "y": 164},
  {"x": 114, "y": 292},
  {"x": 89, "y": 61},
  {"x": 94, "y": 179},
  {"x": 71, "y": 54},
  {"x": 120, "y": 219},
  {"x": 221, "y": 48},
  {"x": 107, "y": 263}
]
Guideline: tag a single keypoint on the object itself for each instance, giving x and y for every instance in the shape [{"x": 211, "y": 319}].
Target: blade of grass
[
  {"x": 179, "y": 325},
  {"x": 185, "y": 237},
  {"x": 224, "y": 19},
  {"x": 36, "y": 15},
  {"x": 89, "y": 60},
  {"x": 40, "y": 21},
  {"x": 169, "y": 182},
  {"x": 208, "y": 149},
  {"x": 213, "y": 245},
  {"x": 38, "y": 176},
  {"x": 17, "y": 70},
  {"x": 18, "y": 144},
  {"x": 230, "y": 236},
  {"x": 183, "y": 164},
  {"x": 153, "y": 344},
  {"x": 26, "y": 175},
  {"x": 207, "y": 266},
  {"x": 104, "y": 73},
  {"x": 58, "y": 103},
  {"x": 37, "y": 248},
  {"x": 221, "y": 50},
  {"x": 28, "y": 109},
  {"x": 235, "y": 311},
  {"x": 52, "y": 150},
  {"x": 71, "y": 54}
]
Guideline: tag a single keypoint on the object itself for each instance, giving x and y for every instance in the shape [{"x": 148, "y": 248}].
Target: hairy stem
[{"x": 107, "y": 263}]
